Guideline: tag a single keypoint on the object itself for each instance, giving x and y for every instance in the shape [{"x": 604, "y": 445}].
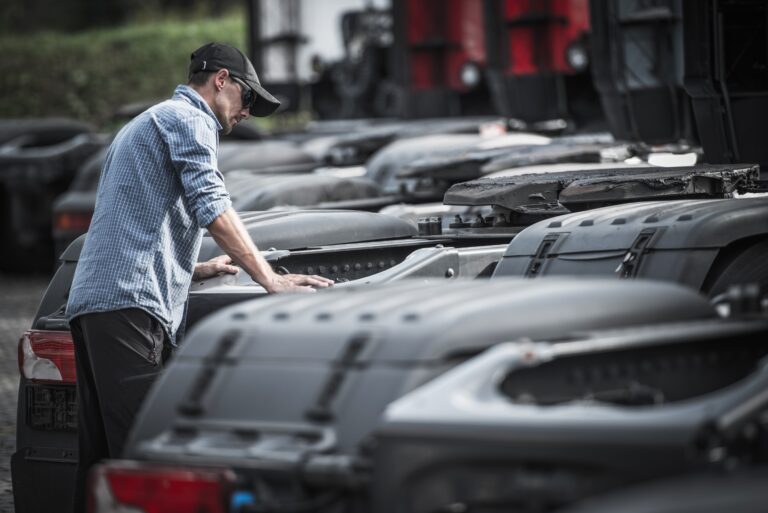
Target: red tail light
[
  {"x": 72, "y": 221},
  {"x": 119, "y": 486},
  {"x": 47, "y": 356}
]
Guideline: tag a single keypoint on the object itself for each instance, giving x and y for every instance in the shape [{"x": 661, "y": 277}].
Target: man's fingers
[
  {"x": 212, "y": 268},
  {"x": 221, "y": 259},
  {"x": 318, "y": 281},
  {"x": 314, "y": 279},
  {"x": 311, "y": 279},
  {"x": 290, "y": 287},
  {"x": 298, "y": 283},
  {"x": 229, "y": 269}
]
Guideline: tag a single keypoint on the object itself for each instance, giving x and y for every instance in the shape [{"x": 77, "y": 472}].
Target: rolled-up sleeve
[{"x": 192, "y": 144}]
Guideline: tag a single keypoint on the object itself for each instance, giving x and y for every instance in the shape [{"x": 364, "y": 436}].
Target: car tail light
[
  {"x": 121, "y": 486},
  {"x": 72, "y": 221},
  {"x": 47, "y": 356}
]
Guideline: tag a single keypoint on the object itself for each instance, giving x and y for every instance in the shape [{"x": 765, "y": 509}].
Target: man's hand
[
  {"x": 296, "y": 283},
  {"x": 231, "y": 236},
  {"x": 214, "y": 267}
]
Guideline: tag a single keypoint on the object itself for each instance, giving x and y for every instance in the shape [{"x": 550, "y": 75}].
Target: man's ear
[{"x": 220, "y": 78}]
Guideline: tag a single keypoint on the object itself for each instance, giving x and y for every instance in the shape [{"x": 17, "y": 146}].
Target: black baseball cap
[{"x": 216, "y": 56}]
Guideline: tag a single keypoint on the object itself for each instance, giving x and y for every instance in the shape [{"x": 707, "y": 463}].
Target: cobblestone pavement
[{"x": 19, "y": 297}]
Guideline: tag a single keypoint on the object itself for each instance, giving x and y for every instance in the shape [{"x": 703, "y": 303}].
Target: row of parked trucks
[
  {"x": 528, "y": 316},
  {"x": 651, "y": 73}
]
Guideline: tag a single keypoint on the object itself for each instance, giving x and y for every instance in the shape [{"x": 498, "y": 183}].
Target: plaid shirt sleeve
[
  {"x": 192, "y": 147},
  {"x": 159, "y": 187}
]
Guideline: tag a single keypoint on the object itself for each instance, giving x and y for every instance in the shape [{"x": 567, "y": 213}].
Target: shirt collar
[{"x": 189, "y": 95}]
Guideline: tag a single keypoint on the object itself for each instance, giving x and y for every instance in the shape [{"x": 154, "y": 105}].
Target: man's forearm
[{"x": 230, "y": 234}]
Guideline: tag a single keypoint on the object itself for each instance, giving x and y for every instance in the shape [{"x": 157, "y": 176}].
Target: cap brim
[{"x": 264, "y": 104}]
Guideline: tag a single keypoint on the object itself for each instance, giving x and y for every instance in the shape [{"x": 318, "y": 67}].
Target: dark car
[{"x": 39, "y": 159}]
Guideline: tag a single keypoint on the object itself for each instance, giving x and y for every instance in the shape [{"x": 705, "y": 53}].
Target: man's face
[{"x": 230, "y": 107}]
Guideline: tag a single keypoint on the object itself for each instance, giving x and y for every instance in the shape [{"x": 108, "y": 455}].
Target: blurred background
[
  {"x": 83, "y": 59},
  {"x": 87, "y": 59},
  {"x": 680, "y": 76}
]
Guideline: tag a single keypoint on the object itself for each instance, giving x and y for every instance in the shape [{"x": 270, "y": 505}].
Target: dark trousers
[{"x": 118, "y": 356}]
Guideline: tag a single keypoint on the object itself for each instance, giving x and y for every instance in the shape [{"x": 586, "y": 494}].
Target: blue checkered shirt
[{"x": 160, "y": 186}]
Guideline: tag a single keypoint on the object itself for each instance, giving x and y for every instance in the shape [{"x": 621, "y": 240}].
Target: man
[{"x": 160, "y": 186}]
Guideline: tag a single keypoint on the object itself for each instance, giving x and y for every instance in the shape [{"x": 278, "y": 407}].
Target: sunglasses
[{"x": 247, "y": 96}]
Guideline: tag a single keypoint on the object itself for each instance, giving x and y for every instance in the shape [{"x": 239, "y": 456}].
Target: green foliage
[{"x": 89, "y": 75}]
